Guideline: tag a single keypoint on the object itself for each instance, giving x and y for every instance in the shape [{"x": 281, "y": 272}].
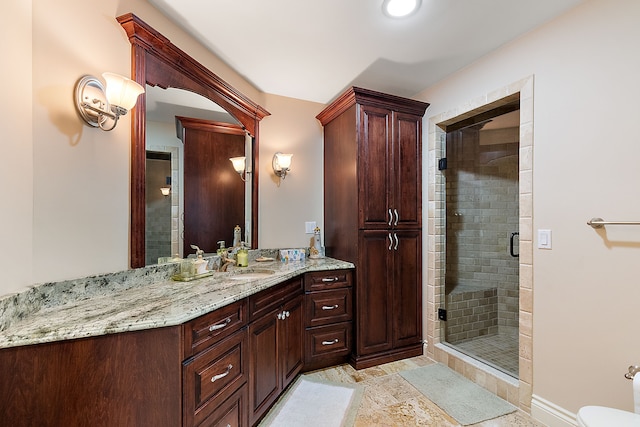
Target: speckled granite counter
[{"x": 138, "y": 299}]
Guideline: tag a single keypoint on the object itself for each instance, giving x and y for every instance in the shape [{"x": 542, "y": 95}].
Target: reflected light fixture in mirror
[
  {"x": 281, "y": 164},
  {"x": 400, "y": 8},
  {"x": 101, "y": 106},
  {"x": 239, "y": 165}
]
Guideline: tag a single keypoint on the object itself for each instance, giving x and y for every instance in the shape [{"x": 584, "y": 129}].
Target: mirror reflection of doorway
[
  {"x": 214, "y": 194},
  {"x": 158, "y": 206},
  {"x": 482, "y": 219}
]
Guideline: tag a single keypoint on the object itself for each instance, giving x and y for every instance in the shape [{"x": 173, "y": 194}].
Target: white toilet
[{"x": 600, "y": 416}]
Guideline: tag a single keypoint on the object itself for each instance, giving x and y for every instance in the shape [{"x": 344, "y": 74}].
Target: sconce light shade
[
  {"x": 281, "y": 164},
  {"x": 239, "y": 165},
  {"x": 101, "y": 107},
  {"x": 121, "y": 91}
]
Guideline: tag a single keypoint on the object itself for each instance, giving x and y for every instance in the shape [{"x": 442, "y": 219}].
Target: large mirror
[{"x": 167, "y": 70}]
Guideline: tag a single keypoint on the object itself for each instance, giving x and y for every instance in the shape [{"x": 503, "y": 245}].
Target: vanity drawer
[
  {"x": 267, "y": 300},
  {"x": 324, "y": 307},
  {"x": 327, "y": 345},
  {"x": 206, "y": 330},
  {"x": 213, "y": 376},
  {"x": 323, "y": 280},
  {"x": 231, "y": 413}
]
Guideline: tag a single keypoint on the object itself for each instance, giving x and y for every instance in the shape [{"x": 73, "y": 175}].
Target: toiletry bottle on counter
[
  {"x": 242, "y": 257},
  {"x": 237, "y": 236},
  {"x": 200, "y": 265}
]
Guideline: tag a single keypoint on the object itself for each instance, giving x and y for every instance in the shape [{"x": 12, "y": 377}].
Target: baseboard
[{"x": 551, "y": 415}]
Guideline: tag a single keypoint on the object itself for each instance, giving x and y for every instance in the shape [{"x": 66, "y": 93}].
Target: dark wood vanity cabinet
[
  {"x": 215, "y": 369},
  {"x": 225, "y": 368},
  {"x": 373, "y": 216},
  {"x": 328, "y": 318},
  {"x": 275, "y": 344}
]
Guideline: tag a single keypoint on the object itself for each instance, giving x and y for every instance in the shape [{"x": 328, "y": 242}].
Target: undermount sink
[{"x": 251, "y": 274}]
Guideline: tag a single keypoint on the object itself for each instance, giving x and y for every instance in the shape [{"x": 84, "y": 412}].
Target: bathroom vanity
[{"x": 216, "y": 351}]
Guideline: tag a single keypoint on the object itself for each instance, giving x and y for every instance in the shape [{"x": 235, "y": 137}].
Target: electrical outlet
[{"x": 309, "y": 226}]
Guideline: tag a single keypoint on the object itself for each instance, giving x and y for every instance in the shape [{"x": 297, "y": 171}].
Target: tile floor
[
  {"x": 390, "y": 401},
  {"x": 499, "y": 351}
]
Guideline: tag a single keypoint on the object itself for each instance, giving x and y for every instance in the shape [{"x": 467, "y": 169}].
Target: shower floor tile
[{"x": 499, "y": 351}]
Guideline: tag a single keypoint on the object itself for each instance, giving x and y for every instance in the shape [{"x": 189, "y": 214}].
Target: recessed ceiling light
[{"x": 400, "y": 8}]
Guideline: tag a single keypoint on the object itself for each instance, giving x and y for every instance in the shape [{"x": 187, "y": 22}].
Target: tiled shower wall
[
  {"x": 482, "y": 213},
  {"x": 158, "y": 212}
]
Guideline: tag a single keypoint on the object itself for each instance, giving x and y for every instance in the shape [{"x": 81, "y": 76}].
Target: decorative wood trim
[
  {"x": 210, "y": 126},
  {"x": 362, "y": 96},
  {"x": 158, "y": 62}
]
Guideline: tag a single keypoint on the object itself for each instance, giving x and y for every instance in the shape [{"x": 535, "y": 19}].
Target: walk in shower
[{"x": 481, "y": 174}]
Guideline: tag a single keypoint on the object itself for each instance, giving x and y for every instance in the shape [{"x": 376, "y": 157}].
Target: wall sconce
[
  {"x": 239, "y": 165},
  {"x": 167, "y": 189},
  {"x": 101, "y": 107},
  {"x": 281, "y": 165}
]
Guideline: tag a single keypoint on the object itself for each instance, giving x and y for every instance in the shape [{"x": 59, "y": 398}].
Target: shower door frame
[{"x": 518, "y": 392}]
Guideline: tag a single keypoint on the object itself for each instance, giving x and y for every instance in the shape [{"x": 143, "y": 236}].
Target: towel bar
[{"x": 599, "y": 222}]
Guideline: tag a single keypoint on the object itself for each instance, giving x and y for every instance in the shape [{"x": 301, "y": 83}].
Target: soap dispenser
[
  {"x": 200, "y": 264},
  {"x": 242, "y": 257}
]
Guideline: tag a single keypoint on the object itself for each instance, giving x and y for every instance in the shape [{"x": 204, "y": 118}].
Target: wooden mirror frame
[{"x": 157, "y": 62}]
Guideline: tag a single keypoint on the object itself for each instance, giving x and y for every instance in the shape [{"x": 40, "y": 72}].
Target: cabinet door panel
[
  {"x": 407, "y": 184},
  {"x": 373, "y": 293},
  {"x": 291, "y": 347},
  {"x": 374, "y": 165},
  {"x": 407, "y": 289},
  {"x": 264, "y": 381}
]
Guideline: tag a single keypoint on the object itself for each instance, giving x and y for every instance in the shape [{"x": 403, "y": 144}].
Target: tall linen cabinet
[{"x": 373, "y": 216}]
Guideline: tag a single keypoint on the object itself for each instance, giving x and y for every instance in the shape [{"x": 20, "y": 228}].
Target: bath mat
[
  {"x": 462, "y": 399},
  {"x": 313, "y": 403}
]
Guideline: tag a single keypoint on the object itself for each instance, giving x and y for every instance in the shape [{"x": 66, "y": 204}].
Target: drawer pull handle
[
  {"x": 220, "y": 325},
  {"x": 283, "y": 315},
  {"x": 330, "y": 307},
  {"x": 335, "y": 341},
  {"x": 222, "y": 375},
  {"x": 330, "y": 279}
]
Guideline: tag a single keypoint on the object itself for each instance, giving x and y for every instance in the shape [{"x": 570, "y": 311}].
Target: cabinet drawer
[
  {"x": 323, "y": 280},
  {"x": 206, "y": 330},
  {"x": 231, "y": 413},
  {"x": 213, "y": 375},
  {"x": 326, "y": 342},
  {"x": 324, "y": 307},
  {"x": 265, "y": 301}
]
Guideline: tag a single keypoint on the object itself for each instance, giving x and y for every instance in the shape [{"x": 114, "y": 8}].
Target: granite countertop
[{"x": 64, "y": 313}]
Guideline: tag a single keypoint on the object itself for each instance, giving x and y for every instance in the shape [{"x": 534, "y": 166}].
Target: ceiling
[{"x": 313, "y": 50}]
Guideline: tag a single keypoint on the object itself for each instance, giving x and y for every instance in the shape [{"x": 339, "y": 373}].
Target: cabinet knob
[{"x": 222, "y": 375}]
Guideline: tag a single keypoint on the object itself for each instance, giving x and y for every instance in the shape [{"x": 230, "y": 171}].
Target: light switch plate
[
  {"x": 309, "y": 226},
  {"x": 544, "y": 239}
]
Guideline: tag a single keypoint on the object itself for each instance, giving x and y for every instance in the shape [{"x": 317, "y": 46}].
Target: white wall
[
  {"x": 586, "y": 152},
  {"x": 16, "y": 172},
  {"x": 292, "y": 128}
]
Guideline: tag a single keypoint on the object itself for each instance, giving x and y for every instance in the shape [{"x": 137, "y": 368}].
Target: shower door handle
[{"x": 511, "y": 244}]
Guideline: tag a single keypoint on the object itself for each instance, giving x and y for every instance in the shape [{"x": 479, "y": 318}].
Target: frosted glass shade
[
  {"x": 238, "y": 163},
  {"x": 283, "y": 161},
  {"x": 121, "y": 91}
]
